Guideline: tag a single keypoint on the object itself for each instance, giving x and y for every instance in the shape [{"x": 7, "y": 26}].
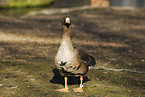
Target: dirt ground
[{"x": 116, "y": 38}]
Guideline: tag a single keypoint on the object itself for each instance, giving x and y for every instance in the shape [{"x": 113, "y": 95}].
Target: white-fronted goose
[{"x": 71, "y": 61}]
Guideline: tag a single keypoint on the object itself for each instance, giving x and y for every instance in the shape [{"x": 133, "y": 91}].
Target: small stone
[{"x": 1, "y": 84}]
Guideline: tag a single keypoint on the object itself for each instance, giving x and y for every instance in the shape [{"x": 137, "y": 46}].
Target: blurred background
[{"x": 20, "y": 7}]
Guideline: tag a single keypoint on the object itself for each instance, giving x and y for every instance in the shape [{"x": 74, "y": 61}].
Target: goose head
[{"x": 66, "y": 21}]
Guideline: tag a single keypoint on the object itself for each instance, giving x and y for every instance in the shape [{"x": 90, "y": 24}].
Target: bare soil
[{"x": 116, "y": 38}]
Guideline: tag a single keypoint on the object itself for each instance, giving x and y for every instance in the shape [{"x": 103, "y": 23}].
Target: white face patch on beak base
[{"x": 67, "y": 20}]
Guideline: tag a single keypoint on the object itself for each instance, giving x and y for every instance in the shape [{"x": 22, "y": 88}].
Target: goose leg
[
  {"x": 81, "y": 85},
  {"x": 65, "y": 88}
]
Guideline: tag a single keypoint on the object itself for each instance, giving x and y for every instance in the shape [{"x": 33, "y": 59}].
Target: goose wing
[{"x": 86, "y": 58}]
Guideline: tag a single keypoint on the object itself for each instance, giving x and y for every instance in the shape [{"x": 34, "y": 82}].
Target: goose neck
[{"x": 66, "y": 32}]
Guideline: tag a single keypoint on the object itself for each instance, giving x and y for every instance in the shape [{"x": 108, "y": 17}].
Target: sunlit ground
[{"x": 115, "y": 38}]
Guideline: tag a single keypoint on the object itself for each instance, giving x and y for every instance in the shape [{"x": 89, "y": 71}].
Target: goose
[{"x": 71, "y": 61}]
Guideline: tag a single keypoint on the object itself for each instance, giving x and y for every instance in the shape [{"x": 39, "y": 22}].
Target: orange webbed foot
[
  {"x": 78, "y": 89},
  {"x": 63, "y": 90}
]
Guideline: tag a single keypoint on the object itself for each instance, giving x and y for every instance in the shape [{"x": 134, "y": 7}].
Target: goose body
[{"x": 71, "y": 61}]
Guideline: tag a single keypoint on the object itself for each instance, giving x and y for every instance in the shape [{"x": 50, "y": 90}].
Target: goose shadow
[{"x": 59, "y": 79}]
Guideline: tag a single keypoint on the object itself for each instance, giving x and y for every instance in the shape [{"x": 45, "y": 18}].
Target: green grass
[
  {"x": 26, "y": 3},
  {"x": 33, "y": 79}
]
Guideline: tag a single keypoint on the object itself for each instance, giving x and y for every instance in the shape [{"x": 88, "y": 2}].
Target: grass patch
[{"x": 25, "y": 3}]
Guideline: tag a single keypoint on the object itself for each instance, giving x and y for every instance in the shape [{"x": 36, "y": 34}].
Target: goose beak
[{"x": 67, "y": 20}]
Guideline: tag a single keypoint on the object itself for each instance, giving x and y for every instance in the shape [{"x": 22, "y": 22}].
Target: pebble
[{"x": 1, "y": 84}]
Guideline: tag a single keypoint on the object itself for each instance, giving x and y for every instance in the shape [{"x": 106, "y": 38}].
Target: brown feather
[{"x": 70, "y": 61}]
